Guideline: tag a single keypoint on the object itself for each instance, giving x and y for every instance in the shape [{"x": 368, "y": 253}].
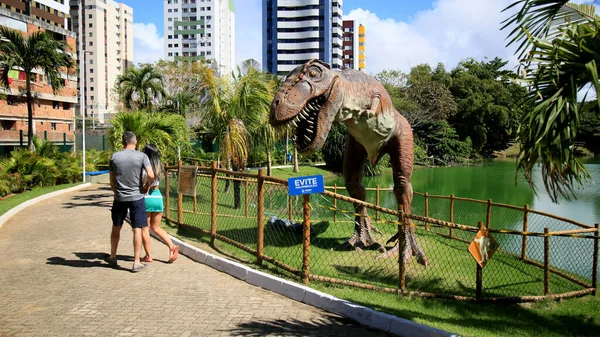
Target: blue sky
[{"x": 400, "y": 33}]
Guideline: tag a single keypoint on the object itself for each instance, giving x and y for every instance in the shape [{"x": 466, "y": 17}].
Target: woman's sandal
[
  {"x": 147, "y": 258},
  {"x": 174, "y": 254}
]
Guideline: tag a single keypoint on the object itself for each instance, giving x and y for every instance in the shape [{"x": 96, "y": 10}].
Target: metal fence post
[
  {"x": 247, "y": 197},
  {"x": 195, "y": 196},
  {"x": 45, "y": 134},
  {"x": 260, "y": 235},
  {"x": 450, "y": 229},
  {"x": 21, "y": 138},
  {"x": 213, "y": 203},
  {"x": 377, "y": 201},
  {"x": 290, "y": 208},
  {"x": 595, "y": 261},
  {"x": 426, "y": 210},
  {"x": 546, "y": 261},
  {"x": 335, "y": 203},
  {"x": 488, "y": 215},
  {"x": 179, "y": 198},
  {"x": 167, "y": 193},
  {"x": 306, "y": 240},
  {"x": 479, "y": 274},
  {"x": 401, "y": 248},
  {"x": 64, "y": 142},
  {"x": 525, "y": 229}
]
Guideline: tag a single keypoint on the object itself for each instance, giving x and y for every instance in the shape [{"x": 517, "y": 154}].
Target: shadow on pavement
[
  {"x": 88, "y": 260},
  {"x": 99, "y": 200},
  {"x": 328, "y": 325}
]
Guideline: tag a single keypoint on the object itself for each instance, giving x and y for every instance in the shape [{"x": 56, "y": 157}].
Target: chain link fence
[{"x": 255, "y": 220}]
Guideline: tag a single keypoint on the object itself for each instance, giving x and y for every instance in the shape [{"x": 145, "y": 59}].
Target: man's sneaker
[
  {"x": 111, "y": 262},
  {"x": 138, "y": 267}
]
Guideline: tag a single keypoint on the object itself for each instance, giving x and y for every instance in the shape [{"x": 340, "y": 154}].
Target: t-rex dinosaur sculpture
[{"x": 312, "y": 97}]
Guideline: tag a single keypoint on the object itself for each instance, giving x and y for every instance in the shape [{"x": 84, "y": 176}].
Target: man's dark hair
[{"x": 128, "y": 138}]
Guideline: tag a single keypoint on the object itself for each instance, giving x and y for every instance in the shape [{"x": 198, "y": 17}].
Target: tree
[
  {"x": 166, "y": 131},
  {"x": 140, "y": 88},
  {"x": 39, "y": 50},
  {"x": 488, "y": 102},
  {"x": 560, "y": 55}
]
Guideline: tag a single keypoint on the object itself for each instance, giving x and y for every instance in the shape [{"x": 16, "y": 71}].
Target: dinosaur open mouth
[{"x": 305, "y": 123}]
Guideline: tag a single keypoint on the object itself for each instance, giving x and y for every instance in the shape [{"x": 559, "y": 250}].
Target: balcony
[{"x": 19, "y": 137}]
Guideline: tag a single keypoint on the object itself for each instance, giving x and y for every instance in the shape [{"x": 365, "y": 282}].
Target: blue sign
[{"x": 306, "y": 185}]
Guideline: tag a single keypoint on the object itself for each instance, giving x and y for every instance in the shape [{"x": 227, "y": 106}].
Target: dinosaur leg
[
  {"x": 355, "y": 158},
  {"x": 400, "y": 149}
]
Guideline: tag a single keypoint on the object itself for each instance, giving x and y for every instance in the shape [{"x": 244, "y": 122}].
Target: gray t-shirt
[{"x": 127, "y": 166}]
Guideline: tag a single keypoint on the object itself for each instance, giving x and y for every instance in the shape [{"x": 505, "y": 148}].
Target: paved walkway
[{"x": 53, "y": 282}]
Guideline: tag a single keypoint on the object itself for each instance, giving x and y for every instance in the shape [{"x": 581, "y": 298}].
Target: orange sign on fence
[{"x": 483, "y": 247}]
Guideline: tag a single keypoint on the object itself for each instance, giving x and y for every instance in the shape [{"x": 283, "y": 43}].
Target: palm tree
[
  {"x": 139, "y": 88},
  {"x": 236, "y": 111},
  {"x": 166, "y": 131},
  {"x": 38, "y": 51},
  {"x": 558, "y": 43},
  {"x": 181, "y": 103}
]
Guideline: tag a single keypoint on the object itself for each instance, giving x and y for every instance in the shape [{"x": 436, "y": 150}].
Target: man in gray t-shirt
[{"x": 126, "y": 169}]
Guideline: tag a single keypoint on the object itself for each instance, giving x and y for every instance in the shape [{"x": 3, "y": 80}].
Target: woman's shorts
[{"x": 154, "y": 201}]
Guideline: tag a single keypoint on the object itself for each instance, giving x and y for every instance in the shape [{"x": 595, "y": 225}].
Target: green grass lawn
[
  {"x": 16, "y": 199},
  {"x": 452, "y": 269}
]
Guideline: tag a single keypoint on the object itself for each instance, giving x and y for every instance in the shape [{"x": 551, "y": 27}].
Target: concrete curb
[
  {"x": 4, "y": 218},
  {"x": 363, "y": 315}
]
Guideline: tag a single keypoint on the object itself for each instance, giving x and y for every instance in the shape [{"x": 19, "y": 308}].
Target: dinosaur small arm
[{"x": 312, "y": 98}]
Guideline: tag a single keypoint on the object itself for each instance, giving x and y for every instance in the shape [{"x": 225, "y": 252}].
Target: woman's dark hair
[{"x": 152, "y": 152}]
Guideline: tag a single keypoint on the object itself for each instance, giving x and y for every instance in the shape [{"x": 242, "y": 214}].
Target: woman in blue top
[{"x": 154, "y": 208}]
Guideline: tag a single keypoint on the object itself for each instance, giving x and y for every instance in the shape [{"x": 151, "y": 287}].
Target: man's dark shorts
[{"x": 137, "y": 213}]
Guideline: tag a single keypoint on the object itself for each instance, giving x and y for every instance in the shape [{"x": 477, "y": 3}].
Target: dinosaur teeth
[
  {"x": 294, "y": 122},
  {"x": 309, "y": 131},
  {"x": 307, "y": 138},
  {"x": 310, "y": 122}
]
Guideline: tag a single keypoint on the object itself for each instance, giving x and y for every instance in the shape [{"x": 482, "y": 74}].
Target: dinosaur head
[{"x": 308, "y": 101}]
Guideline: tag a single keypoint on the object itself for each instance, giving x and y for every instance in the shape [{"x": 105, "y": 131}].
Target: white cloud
[
  {"x": 451, "y": 31},
  {"x": 148, "y": 45},
  {"x": 248, "y": 30}
]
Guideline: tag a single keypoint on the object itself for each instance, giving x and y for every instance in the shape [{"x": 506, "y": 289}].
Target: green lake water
[{"x": 495, "y": 180}]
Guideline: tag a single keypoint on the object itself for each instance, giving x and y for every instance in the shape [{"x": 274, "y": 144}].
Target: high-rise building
[
  {"x": 53, "y": 114},
  {"x": 354, "y": 46},
  {"x": 107, "y": 42},
  {"x": 295, "y": 31},
  {"x": 200, "y": 30}
]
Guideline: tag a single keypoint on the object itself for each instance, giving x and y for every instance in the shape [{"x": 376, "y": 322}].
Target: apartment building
[
  {"x": 106, "y": 29},
  {"x": 354, "y": 46},
  {"x": 295, "y": 31},
  {"x": 200, "y": 30},
  {"x": 53, "y": 114}
]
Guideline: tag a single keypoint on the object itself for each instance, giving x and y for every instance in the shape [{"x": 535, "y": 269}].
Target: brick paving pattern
[{"x": 53, "y": 282}]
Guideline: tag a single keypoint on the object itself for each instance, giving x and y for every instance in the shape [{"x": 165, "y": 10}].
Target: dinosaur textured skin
[{"x": 312, "y": 98}]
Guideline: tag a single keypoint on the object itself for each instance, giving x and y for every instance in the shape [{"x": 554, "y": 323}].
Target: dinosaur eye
[{"x": 314, "y": 72}]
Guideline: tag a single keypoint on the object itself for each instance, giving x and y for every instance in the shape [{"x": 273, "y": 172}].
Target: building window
[
  {"x": 170, "y": 45},
  {"x": 91, "y": 88},
  {"x": 170, "y": 28},
  {"x": 170, "y": 37},
  {"x": 91, "y": 43},
  {"x": 169, "y": 10},
  {"x": 70, "y": 127},
  {"x": 91, "y": 61},
  {"x": 91, "y": 79},
  {"x": 170, "y": 54},
  {"x": 55, "y": 105},
  {"x": 92, "y": 98},
  {"x": 66, "y": 106},
  {"x": 169, "y": 19},
  {"x": 91, "y": 34},
  {"x": 90, "y": 16},
  {"x": 52, "y": 126},
  {"x": 90, "y": 25}
]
